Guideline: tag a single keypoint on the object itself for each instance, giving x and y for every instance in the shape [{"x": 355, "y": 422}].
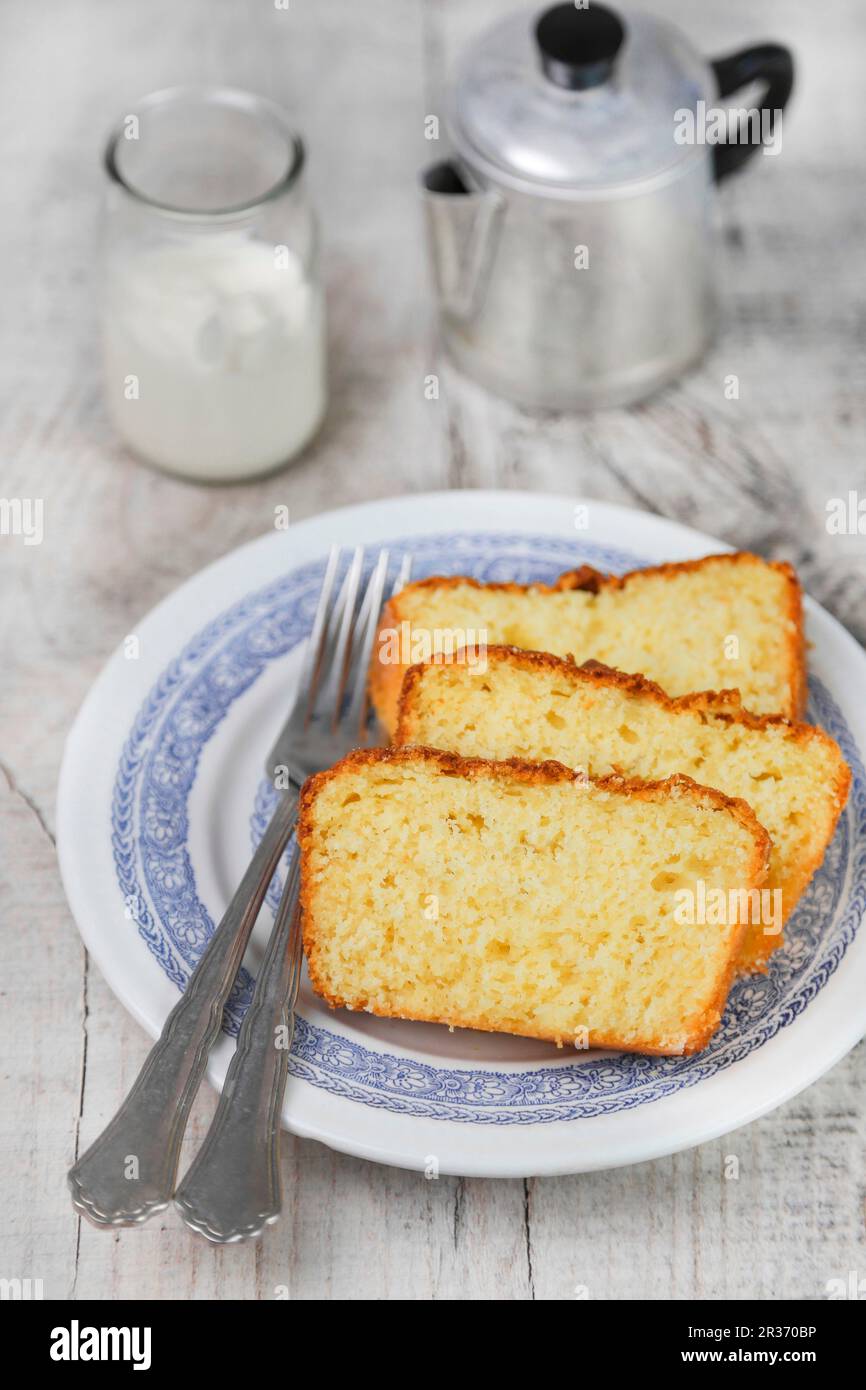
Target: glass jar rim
[{"x": 258, "y": 106}]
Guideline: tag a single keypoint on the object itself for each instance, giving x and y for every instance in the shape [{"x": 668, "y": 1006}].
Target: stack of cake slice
[{"x": 592, "y": 854}]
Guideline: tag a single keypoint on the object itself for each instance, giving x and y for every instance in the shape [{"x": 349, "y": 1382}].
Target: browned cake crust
[
  {"x": 700, "y": 1028},
  {"x": 386, "y": 679},
  {"x": 722, "y": 704}
]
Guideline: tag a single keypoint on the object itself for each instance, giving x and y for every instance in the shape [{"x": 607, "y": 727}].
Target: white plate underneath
[{"x": 162, "y": 788}]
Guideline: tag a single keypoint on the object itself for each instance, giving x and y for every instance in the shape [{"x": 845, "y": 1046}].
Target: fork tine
[
  {"x": 343, "y": 659},
  {"x": 312, "y": 660},
  {"x": 365, "y": 630},
  {"x": 372, "y": 599},
  {"x": 322, "y": 674},
  {"x": 403, "y": 576},
  {"x": 325, "y": 699},
  {"x": 319, "y": 630}
]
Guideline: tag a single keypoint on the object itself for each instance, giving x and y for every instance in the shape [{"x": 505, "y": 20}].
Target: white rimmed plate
[{"x": 162, "y": 792}]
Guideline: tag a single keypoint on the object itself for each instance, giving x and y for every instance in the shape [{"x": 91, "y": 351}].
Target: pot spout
[{"x": 462, "y": 230}]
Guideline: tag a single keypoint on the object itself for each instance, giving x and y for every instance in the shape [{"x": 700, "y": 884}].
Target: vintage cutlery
[{"x": 129, "y": 1172}]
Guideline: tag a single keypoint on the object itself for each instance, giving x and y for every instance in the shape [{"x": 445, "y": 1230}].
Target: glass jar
[{"x": 213, "y": 313}]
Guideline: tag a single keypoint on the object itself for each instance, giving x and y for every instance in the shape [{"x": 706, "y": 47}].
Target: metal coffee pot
[{"x": 572, "y": 235}]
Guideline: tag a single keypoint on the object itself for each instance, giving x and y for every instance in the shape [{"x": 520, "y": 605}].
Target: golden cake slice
[
  {"x": 523, "y": 898},
  {"x": 536, "y": 706},
  {"x": 724, "y": 621}
]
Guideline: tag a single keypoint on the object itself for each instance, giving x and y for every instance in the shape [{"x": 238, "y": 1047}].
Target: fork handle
[
  {"x": 233, "y": 1189},
  {"x": 129, "y": 1172}
]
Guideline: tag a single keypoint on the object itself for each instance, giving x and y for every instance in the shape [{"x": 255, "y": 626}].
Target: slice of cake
[
  {"x": 725, "y": 621},
  {"x": 524, "y": 898},
  {"x": 532, "y": 705}
]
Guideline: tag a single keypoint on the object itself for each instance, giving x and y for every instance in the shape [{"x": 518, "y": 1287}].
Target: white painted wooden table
[{"x": 757, "y": 472}]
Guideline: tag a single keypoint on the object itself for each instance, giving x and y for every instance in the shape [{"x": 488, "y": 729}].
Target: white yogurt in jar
[{"x": 214, "y": 355}]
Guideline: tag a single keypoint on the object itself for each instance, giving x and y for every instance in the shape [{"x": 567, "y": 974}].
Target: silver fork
[
  {"x": 232, "y": 1189},
  {"x": 129, "y": 1172}
]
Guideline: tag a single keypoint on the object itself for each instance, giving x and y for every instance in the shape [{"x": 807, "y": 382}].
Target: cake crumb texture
[{"x": 522, "y": 898}]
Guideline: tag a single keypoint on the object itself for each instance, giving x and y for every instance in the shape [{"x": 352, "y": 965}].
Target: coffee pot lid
[{"x": 576, "y": 99}]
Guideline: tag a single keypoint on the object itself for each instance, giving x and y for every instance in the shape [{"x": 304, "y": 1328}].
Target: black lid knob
[{"x": 579, "y": 46}]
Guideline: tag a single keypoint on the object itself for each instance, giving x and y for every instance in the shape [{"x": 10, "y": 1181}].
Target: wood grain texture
[{"x": 757, "y": 472}]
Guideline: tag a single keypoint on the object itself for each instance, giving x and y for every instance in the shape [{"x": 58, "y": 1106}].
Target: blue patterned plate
[{"x": 161, "y": 796}]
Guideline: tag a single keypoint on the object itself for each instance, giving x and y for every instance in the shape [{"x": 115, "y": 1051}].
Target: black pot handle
[{"x": 770, "y": 63}]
